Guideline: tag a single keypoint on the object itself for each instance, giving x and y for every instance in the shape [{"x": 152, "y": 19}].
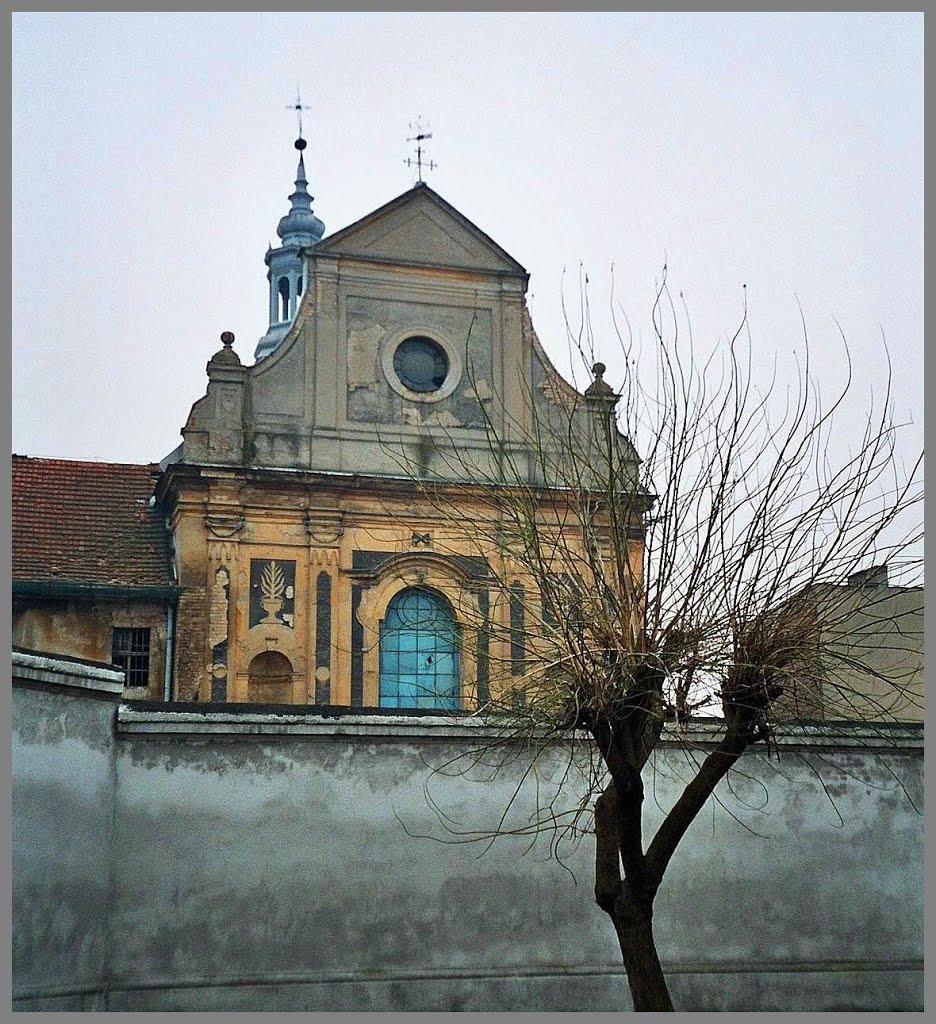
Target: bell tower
[{"x": 286, "y": 265}]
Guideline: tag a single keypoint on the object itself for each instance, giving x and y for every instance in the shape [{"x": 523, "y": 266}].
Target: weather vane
[
  {"x": 298, "y": 107},
  {"x": 419, "y": 138}
]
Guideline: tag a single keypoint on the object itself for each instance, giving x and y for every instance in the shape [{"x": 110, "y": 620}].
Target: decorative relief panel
[
  {"x": 375, "y": 327},
  {"x": 224, "y": 526},
  {"x": 229, "y": 400},
  {"x": 483, "y": 653},
  {"x": 324, "y": 526},
  {"x": 323, "y": 614},
  {"x": 272, "y": 592},
  {"x": 224, "y": 442},
  {"x": 363, "y": 343},
  {"x": 357, "y": 648},
  {"x": 218, "y": 633}
]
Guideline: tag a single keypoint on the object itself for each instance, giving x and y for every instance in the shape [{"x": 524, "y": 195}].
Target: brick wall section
[{"x": 190, "y": 654}]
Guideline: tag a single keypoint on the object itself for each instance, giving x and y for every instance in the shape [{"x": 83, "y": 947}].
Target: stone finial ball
[
  {"x": 227, "y": 338},
  {"x": 598, "y": 369},
  {"x": 300, "y": 144}
]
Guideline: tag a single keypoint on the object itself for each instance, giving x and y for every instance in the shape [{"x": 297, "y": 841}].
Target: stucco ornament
[{"x": 272, "y": 592}]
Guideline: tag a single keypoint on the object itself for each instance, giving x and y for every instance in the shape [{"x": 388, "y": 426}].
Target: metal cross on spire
[
  {"x": 298, "y": 107},
  {"x": 419, "y": 138}
]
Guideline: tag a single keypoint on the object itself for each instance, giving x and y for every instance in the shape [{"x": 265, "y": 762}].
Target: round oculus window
[{"x": 421, "y": 364}]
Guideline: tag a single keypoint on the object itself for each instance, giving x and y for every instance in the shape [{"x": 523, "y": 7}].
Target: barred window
[{"x": 131, "y": 652}]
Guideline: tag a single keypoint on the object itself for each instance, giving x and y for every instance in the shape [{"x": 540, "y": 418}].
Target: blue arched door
[{"x": 419, "y": 652}]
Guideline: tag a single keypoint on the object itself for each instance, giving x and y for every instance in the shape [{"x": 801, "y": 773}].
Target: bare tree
[{"x": 702, "y": 577}]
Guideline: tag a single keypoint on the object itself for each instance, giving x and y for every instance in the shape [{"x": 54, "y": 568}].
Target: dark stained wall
[{"x": 276, "y": 866}]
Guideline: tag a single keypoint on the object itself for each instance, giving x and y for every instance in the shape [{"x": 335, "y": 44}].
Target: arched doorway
[
  {"x": 419, "y": 652},
  {"x": 270, "y": 679}
]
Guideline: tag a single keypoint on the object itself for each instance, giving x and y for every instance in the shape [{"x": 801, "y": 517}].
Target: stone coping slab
[
  {"x": 317, "y": 721},
  {"x": 67, "y": 672}
]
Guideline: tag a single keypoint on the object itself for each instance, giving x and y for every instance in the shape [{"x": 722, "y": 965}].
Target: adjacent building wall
[
  {"x": 293, "y": 862},
  {"x": 85, "y": 629},
  {"x": 867, "y": 663},
  {"x": 874, "y": 665}
]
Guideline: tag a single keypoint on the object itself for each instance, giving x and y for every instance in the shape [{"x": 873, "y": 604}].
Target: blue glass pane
[{"x": 419, "y": 652}]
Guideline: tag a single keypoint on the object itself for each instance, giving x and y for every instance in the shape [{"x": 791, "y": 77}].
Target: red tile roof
[{"x": 87, "y": 522}]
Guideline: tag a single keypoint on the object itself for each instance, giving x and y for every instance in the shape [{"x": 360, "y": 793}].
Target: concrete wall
[
  {"x": 195, "y": 860},
  {"x": 62, "y": 837}
]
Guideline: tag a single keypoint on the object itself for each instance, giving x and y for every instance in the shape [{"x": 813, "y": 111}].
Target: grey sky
[{"x": 152, "y": 158}]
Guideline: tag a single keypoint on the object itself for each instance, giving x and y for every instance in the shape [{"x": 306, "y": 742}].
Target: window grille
[{"x": 131, "y": 652}]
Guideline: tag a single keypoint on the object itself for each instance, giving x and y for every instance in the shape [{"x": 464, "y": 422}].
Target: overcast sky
[{"x": 153, "y": 157}]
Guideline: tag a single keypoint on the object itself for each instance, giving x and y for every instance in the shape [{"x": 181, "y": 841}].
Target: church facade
[
  {"x": 332, "y": 528},
  {"x": 330, "y": 507}
]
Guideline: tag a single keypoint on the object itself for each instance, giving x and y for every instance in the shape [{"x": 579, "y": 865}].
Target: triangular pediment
[{"x": 421, "y": 228}]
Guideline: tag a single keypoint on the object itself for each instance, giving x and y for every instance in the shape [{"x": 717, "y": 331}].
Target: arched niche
[{"x": 270, "y": 679}]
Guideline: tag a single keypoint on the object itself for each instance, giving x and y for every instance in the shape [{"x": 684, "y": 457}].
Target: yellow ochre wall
[{"x": 225, "y": 520}]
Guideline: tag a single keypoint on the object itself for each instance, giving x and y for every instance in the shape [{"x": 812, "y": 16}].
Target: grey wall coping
[
  {"x": 99, "y": 678},
  {"x": 135, "y": 721},
  {"x": 67, "y": 672}
]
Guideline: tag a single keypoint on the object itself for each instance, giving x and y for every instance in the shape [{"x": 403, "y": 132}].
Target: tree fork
[{"x": 629, "y": 901}]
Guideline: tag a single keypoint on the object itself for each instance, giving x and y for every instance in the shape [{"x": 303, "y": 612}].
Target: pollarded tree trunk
[
  {"x": 628, "y": 898},
  {"x": 628, "y": 901},
  {"x": 633, "y": 922}
]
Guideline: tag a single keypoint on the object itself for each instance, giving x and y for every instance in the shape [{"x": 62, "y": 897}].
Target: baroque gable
[{"x": 421, "y": 228}]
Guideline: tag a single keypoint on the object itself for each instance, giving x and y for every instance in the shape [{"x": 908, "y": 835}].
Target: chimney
[{"x": 876, "y": 576}]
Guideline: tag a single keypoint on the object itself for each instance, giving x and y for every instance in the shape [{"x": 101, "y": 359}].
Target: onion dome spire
[
  {"x": 286, "y": 272},
  {"x": 300, "y": 226}
]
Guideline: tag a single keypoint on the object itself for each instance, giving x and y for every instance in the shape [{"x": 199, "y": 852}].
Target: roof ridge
[{"x": 83, "y": 462}]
